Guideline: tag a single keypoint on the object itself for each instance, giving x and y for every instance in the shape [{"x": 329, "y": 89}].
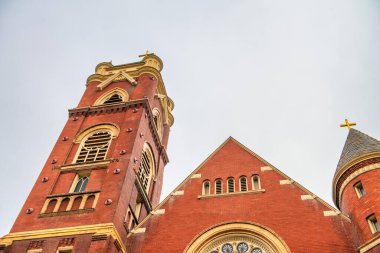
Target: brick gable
[{"x": 301, "y": 223}]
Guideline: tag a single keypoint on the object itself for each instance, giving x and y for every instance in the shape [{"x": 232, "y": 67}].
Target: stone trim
[
  {"x": 97, "y": 229},
  {"x": 266, "y": 168},
  {"x": 230, "y": 193},
  {"x": 178, "y": 193},
  {"x": 307, "y": 197},
  {"x": 196, "y": 176},
  {"x": 331, "y": 213},
  {"x": 352, "y": 173},
  {"x": 286, "y": 181},
  {"x": 369, "y": 244},
  {"x": 138, "y": 230},
  {"x": 158, "y": 212}
]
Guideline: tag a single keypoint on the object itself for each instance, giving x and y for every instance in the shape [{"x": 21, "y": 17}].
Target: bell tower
[{"x": 104, "y": 174}]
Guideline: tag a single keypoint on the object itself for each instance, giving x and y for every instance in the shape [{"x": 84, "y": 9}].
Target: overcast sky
[{"x": 279, "y": 76}]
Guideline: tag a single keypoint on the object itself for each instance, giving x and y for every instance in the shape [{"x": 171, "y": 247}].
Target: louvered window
[
  {"x": 231, "y": 185},
  {"x": 218, "y": 186},
  {"x": 206, "y": 188},
  {"x": 155, "y": 118},
  {"x": 115, "y": 98},
  {"x": 95, "y": 147},
  {"x": 243, "y": 184},
  {"x": 144, "y": 172},
  {"x": 256, "y": 182}
]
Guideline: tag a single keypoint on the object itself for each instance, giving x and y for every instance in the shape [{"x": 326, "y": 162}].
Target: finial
[
  {"x": 348, "y": 124},
  {"x": 146, "y": 54}
]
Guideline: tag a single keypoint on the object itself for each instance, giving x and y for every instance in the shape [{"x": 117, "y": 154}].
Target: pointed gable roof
[
  {"x": 357, "y": 144},
  {"x": 186, "y": 213},
  {"x": 269, "y": 166}
]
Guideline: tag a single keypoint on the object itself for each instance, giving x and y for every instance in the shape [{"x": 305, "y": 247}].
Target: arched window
[
  {"x": 95, "y": 147},
  {"x": 243, "y": 184},
  {"x": 237, "y": 237},
  {"x": 231, "y": 184},
  {"x": 256, "y": 182},
  {"x": 116, "y": 95},
  {"x": 157, "y": 121},
  {"x": 206, "y": 188},
  {"x": 81, "y": 183},
  {"x": 115, "y": 98},
  {"x": 218, "y": 186},
  {"x": 147, "y": 168}
]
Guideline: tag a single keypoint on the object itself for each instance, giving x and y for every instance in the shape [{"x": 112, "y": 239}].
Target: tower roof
[{"x": 357, "y": 144}]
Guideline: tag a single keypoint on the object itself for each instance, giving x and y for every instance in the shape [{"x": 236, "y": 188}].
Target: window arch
[
  {"x": 243, "y": 183},
  {"x": 206, "y": 189},
  {"x": 241, "y": 237},
  {"x": 256, "y": 185},
  {"x": 95, "y": 142},
  {"x": 218, "y": 186},
  {"x": 147, "y": 167},
  {"x": 95, "y": 147},
  {"x": 116, "y": 95},
  {"x": 81, "y": 184},
  {"x": 157, "y": 121},
  {"x": 231, "y": 184}
]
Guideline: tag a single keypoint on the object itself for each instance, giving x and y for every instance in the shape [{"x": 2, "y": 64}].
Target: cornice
[
  {"x": 369, "y": 244},
  {"x": 99, "y": 229},
  {"x": 119, "y": 107},
  {"x": 344, "y": 169},
  {"x": 150, "y": 64}
]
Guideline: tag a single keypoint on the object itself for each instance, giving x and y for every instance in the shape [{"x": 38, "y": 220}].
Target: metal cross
[{"x": 348, "y": 124}]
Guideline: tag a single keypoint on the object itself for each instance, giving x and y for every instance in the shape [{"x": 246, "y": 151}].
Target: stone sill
[
  {"x": 84, "y": 166},
  {"x": 71, "y": 194},
  {"x": 230, "y": 194},
  {"x": 88, "y": 210}
]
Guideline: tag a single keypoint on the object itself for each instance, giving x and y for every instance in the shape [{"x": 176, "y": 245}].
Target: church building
[{"x": 99, "y": 190}]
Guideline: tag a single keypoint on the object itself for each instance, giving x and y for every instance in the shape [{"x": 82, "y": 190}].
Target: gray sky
[{"x": 279, "y": 76}]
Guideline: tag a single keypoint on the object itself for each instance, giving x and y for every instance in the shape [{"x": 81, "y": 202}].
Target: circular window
[
  {"x": 242, "y": 247},
  {"x": 227, "y": 248},
  {"x": 257, "y": 250}
]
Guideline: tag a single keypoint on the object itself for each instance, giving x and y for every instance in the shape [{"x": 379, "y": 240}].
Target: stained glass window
[
  {"x": 242, "y": 247},
  {"x": 81, "y": 184},
  {"x": 227, "y": 248},
  {"x": 257, "y": 250}
]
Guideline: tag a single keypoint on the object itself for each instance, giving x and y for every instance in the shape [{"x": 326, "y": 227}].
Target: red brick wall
[
  {"x": 120, "y": 188},
  {"x": 360, "y": 208},
  {"x": 301, "y": 224}
]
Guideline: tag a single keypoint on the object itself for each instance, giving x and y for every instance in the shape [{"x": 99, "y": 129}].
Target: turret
[{"x": 356, "y": 188}]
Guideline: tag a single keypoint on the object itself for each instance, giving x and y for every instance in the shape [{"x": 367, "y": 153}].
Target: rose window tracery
[
  {"x": 241, "y": 247},
  {"x": 238, "y": 244}
]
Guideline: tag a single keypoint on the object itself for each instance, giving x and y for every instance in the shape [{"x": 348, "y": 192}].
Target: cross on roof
[
  {"x": 348, "y": 124},
  {"x": 146, "y": 54}
]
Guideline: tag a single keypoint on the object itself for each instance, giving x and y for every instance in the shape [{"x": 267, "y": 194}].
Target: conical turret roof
[{"x": 357, "y": 144}]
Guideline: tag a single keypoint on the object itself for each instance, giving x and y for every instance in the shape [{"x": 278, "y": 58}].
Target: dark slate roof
[{"x": 357, "y": 144}]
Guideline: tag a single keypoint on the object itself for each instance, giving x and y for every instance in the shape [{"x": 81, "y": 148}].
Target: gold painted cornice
[
  {"x": 346, "y": 167},
  {"x": 98, "y": 229},
  {"x": 150, "y": 64}
]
